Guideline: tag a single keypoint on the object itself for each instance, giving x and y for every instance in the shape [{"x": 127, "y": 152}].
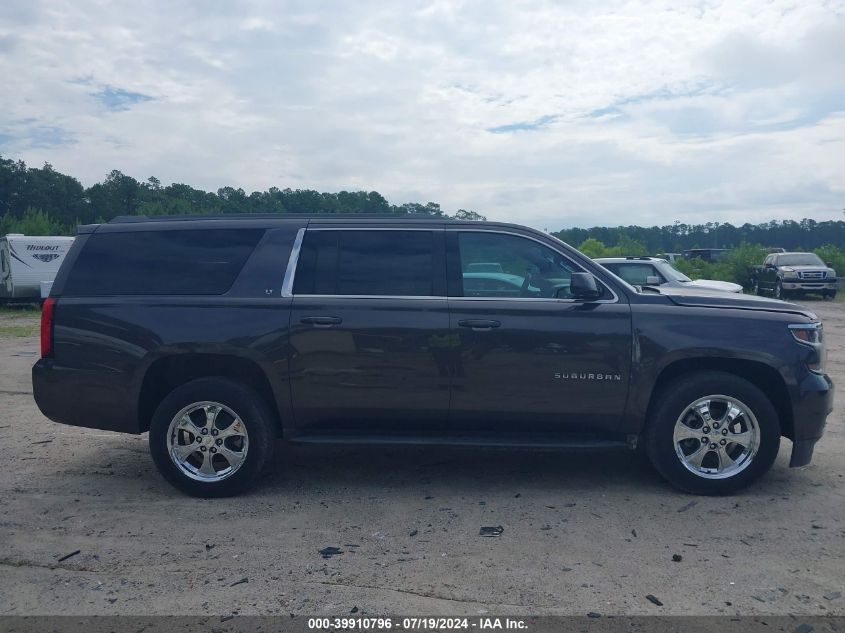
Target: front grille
[{"x": 812, "y": 274}]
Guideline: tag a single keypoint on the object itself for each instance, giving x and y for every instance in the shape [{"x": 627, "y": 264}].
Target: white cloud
[{"x": 538, "y": 112}]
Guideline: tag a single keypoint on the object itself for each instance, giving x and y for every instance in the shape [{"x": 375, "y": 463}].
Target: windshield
[
  {"x": 671, "y": 273},
  {"x": 800, "y": 259}
]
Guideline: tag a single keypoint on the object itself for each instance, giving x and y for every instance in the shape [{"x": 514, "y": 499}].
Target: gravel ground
[{"x": 88, "y": 527}]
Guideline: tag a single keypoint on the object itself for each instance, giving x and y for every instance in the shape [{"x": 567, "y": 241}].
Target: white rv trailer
[{"x": 26, "y": 261}]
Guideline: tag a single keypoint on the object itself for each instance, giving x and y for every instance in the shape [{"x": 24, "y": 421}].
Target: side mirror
[
  {"x": 829, "y": 264},
  {"x": 584, "y": 286},
  {"x": 652, "y": 280}
]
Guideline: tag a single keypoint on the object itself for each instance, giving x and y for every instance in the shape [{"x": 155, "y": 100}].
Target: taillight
[{"x": 47, "y": 312}]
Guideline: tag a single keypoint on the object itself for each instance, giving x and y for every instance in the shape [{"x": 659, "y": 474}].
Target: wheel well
[
  {"x": 765, "y": 378},
  {"x": 165, "y": 374}
]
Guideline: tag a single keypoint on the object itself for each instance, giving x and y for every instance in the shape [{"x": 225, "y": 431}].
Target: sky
[{"x": 551, "y": 114}]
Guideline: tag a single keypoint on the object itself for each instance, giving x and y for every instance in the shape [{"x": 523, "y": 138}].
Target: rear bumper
[
  {"x": 81, "y": 398},
  {"x": 810, "y": 410}
]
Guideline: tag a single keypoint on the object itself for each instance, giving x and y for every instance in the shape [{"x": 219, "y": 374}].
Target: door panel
[
  {"x": 369, "y": 319},
  {"x": 768, "y": 276},
  {"x": 549, "y": 366},
  {"x": 546, "y": 363},
  {"x": 379, "y": 370}
]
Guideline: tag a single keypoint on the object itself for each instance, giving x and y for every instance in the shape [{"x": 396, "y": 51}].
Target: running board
[{"x": 536, "y": 441}]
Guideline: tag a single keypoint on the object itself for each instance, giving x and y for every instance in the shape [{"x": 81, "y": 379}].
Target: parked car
[
  {"x": 497, "y": 285},
  {"x": 670, "y": 257},
  {"x": 787, "y": 274},
  {"x": 220, "y": 335},
  {"x": 705, "y": 254},
  {"x": 653, "y": 271},
  {"x": 485, "y": 267},
  {"x": 26, "y": 261}
]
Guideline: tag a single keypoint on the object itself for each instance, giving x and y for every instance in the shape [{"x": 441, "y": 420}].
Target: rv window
[
  {"x": 3, "y": 261},
  {"x": 199, "y": 262}
]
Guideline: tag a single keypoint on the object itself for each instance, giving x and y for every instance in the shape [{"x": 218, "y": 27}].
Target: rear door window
[
  {"x": 198, "y": 262},
  {"x": 367, "y": 263}
]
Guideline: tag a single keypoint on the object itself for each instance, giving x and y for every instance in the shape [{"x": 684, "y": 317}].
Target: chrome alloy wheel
[
  {"x": 207, "y": 441},
  {"x": 716, "y": 437}
]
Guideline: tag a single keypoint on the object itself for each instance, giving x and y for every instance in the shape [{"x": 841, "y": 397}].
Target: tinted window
[
  {"x": 800, "y": 259},
  {"x": 3, "y": 261},
  {"x": 509, "y": 266},
  {"x": 201, "y": 262},
  {"x": 382, "y": 263}
]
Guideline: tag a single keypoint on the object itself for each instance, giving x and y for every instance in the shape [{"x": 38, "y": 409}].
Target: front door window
[{"x": 499, "y": 265}]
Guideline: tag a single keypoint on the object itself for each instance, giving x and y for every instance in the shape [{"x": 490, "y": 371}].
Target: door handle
[
  {"x": 322, "y": 321},
  {"x": 479, "y": 325}
]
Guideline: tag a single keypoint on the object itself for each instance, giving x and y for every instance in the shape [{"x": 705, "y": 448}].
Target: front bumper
[
  {"x": 809, "y": 286},
  {"x": 809, "y": 413}
]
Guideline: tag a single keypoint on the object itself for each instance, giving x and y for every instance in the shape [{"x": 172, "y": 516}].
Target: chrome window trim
[
  {"x": 464, "y": 229},
  {"x": 543, "y": 299},
  {"x": 290, "y": 271}
]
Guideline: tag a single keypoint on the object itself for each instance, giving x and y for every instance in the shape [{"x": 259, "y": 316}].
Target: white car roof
[{"x": 622, "y": 260}]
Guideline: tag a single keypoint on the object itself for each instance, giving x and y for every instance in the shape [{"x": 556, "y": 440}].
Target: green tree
[
  {"x": 833, "y": 256},
  {"x": 627, "y": 247},
  {"x": 463, "y": 214},
  {"x": 32, "y": 222},
  {"x": 593, "y": 248}
]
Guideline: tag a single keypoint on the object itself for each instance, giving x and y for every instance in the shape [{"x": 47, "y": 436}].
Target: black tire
[
  {"x": 780, "y": 293},
  {"x": 830, "y": 294},
  {"x": 672, "y": 401},
  {"x": 756, "y": 287},
  {"x": 246, "y": 404}
]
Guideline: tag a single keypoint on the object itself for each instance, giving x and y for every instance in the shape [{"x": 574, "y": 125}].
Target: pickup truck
[
  {"x": 218, "y": 336},
  {"x": 793, "y": 274}
]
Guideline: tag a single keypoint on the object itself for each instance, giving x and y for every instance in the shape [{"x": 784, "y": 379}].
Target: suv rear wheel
[
  {"x": 211, "y": 437},
  {"x": 712, "y": 433}
]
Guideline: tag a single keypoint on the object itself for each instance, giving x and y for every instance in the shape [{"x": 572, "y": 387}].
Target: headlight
[
  {"x": 807, "y": 332},
  {"x": 789, "y": 273},
  {"x": 831, "y": 274},
  {"x": 810, "y": 334}
]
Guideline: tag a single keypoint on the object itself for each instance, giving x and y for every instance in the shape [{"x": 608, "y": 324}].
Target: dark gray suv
[{"x": 221, "y": 335}]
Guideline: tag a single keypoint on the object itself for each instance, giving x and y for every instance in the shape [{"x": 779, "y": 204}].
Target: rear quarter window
[{"x": 195, "y": 262}]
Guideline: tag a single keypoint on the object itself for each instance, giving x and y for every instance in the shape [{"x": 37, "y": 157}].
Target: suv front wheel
[
  {"x": 712, "y": 433},
  {"x": 211, "y": 437}
]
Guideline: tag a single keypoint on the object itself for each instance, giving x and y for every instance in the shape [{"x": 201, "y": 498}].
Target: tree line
[
  {"x": 42, "y": 200},
  {"x": 803, "y": 235}
]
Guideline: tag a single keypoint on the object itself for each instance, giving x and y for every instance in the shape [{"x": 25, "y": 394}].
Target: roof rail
[{"x": 128, "y": 219}]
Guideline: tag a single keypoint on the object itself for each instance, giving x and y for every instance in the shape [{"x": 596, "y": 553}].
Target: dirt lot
[{"x": 581, "y": 533}]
